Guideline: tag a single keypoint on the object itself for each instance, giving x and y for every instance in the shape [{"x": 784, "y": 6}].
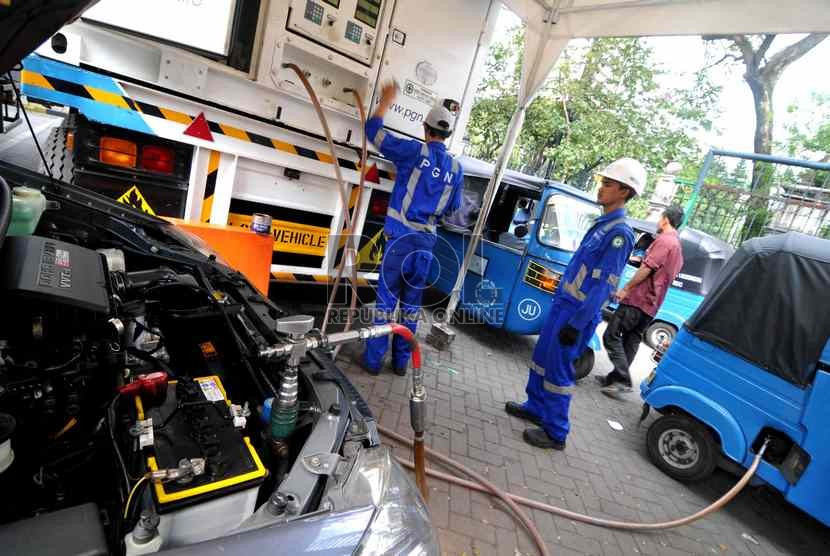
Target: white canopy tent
[{"x": 550, "y": 24}]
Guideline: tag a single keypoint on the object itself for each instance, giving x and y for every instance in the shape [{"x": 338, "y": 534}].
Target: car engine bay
[{"x": 134, "y": 412}]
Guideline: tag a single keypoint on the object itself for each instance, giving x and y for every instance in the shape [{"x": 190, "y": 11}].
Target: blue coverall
[
  {"x": 428, "y": 185},
  {"x": 592, "y": 275}
]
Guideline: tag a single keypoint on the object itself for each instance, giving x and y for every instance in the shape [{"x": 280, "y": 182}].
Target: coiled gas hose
[{"x": 482, "y": 485}]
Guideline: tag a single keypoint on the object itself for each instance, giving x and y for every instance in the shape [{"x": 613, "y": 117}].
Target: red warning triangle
[
  {"x": 372, "y": 174},
  {"x": 199, "y": 128}
]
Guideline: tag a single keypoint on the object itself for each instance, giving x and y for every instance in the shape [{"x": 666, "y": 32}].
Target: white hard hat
[
  {"x": 628, "y": 172},
  {"x": 441, "y": 119}
]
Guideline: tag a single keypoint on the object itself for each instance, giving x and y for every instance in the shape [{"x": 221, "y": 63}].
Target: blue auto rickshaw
[
  {"x": 703, "y": 258},
  {"x": 753, "y": 363},
  {"x": 530, "y": 235}
]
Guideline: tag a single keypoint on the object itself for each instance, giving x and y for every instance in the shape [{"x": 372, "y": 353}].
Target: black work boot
[
  {"x": 517, "y": 410},
  {"x": 540, "y": 439},
  {"x": 616, "y": 389},
  {"x": 400, "y": 371},
  {"x": 603, "y": 381},
  {"x": 368, "y": 369}
]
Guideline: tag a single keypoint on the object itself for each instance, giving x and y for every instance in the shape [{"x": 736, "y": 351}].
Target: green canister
[{"x": 27, "y": 206}]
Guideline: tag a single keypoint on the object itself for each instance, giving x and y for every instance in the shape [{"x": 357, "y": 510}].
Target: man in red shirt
[{"x": 640, "y": 300}]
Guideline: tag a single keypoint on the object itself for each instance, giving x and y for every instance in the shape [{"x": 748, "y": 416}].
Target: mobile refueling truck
[{"x": 187, "y": 108}]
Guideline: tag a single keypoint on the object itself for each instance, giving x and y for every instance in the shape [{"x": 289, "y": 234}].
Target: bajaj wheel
[
  {"x": 658, "y": 332},
  {"x": 682, "y": 447},
  {"x": 584, "y": 364}
]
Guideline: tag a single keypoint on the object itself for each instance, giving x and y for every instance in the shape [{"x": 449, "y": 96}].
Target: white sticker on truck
[{"x": 419, "y": 93}]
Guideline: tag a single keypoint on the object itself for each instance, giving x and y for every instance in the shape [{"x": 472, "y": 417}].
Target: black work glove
[{"x": 568, "y": 335}]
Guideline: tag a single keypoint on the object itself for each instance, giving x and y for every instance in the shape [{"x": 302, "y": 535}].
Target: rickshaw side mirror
[{"x": 520, "y": 231}]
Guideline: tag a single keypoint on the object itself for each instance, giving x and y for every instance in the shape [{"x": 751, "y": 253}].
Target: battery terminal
[{"x": 187, "y": 470}]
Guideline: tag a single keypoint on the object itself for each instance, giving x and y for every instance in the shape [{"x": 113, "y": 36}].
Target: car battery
[{"x": 195, "y": 420}]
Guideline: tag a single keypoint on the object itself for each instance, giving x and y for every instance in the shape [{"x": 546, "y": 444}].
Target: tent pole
[{"x": 533, "y": 78}]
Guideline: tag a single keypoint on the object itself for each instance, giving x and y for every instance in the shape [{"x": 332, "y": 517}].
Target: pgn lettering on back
[{"x": 436, "y": 172}]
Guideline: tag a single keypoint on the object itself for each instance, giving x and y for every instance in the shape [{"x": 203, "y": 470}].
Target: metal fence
[{"x": 735, "y": 211}]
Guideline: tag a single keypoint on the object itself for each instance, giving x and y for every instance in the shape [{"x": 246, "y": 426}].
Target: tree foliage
[
  {"x": 603, "y": 101},
  {"x": 809, "y": 136}
]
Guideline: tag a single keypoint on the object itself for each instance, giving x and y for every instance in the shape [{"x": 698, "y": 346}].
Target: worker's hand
[
  {"x": 388, "y": 92},
  {"x": 568, "y": 335},
  {"x": 619, "y": 295}
]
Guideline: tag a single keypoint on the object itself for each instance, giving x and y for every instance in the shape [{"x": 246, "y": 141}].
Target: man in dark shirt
[{"x": 640, "y": 299}]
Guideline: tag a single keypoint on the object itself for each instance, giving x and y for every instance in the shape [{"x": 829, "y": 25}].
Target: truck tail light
[
  {"x": 118, "y": 152},
  {"x": 379, "y": 205},
  {"x": 158, "y": 159}
]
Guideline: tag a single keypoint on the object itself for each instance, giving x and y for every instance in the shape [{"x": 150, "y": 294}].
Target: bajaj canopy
[{"x": 769, "y": 305}]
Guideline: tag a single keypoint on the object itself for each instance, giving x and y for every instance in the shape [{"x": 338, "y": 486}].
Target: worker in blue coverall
[
  {"x": 584, "y": 289},
  {"x": 428, "y": 185}
]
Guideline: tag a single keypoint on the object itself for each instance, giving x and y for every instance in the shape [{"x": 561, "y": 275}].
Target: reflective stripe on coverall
[
  {"x": 592, "y": 275},
  {"x": 428, "y": 185}
]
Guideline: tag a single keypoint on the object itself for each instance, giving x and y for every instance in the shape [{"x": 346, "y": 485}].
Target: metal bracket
[{"x": 322, "y": 464}]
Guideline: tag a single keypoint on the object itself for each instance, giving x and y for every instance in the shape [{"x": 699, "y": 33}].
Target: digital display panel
[{"x": 368, "y": 12}]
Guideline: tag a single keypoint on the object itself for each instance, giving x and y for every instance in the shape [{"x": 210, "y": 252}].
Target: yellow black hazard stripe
[
  {"x": 210, "y": 185},
  {"x": 313, "y": 278},
  {"x": 341, "y": 243},
  {"x": 29, "y": 77}
]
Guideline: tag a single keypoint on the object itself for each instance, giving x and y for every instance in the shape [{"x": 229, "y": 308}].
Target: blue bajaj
[{"x": 753, "y": 363}]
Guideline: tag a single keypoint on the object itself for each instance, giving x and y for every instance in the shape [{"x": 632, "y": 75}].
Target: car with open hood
[{"x": 137, "y": 411}]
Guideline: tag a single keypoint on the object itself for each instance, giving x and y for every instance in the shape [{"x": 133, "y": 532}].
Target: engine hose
[
  {"x": 489, "y": 488},
  {"x": 5, "y": 209}
]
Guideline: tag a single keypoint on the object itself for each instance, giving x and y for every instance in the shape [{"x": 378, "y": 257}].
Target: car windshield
[{"x": 565, "y": 221}]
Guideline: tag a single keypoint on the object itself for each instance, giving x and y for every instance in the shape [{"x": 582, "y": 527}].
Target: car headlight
[{"x": 401, "y": 523}]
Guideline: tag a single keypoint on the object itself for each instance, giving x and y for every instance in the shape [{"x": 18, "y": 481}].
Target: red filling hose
[
  {"x": 407, "y": 335},
  {"x": 417, "y": 409}
]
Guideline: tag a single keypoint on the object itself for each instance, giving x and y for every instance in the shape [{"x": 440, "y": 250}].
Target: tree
[
  {"x": 603, "y": 101},
  {"x": 762, "y": 74}
]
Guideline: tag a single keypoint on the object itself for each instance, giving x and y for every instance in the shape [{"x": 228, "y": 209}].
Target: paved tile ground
[{"x": 602, "y": 472}]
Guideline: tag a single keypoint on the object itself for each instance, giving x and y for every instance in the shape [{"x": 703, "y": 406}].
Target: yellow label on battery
[{"x": 290, "y": 237}]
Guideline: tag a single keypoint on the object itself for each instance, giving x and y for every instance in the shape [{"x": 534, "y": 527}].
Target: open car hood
[{"x": 26, "y": 24}]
